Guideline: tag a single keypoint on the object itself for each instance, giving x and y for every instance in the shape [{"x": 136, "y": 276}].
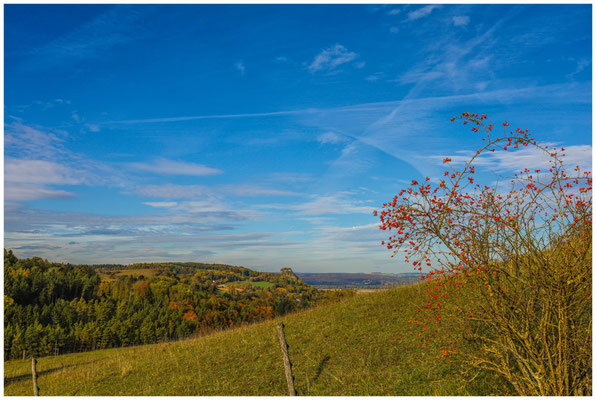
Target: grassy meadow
[{"x": 362, "y": 345}]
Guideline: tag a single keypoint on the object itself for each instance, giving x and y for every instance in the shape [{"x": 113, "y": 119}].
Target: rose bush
[{"x": 512, "y": 266}]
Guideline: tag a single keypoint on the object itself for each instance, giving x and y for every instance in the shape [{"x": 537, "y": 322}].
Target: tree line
[{"x": 52, "y": 308}]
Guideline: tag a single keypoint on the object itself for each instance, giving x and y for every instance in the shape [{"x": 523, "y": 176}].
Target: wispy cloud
[
  {"x": 196, "y": 206},
  {"x": 461, "y": 20},
  {"x": 333, "y": 204},
  {"x": 422, "y": 12},
  {"x": 290, "y": 177},
  {"x": 38, "y": 172},
  {"x": 26, "y": 180},
  {"x": 164, "y": 204},
  {"x": 92, "y": 39},
  {"x": 37, "y": 247},
  {"x": 374, "y": 77},
  {"x": 162, "y": 166},
  {"x": 21, "y": 192},
  {"x": 580, "y": 66},
  {"x": 23, "y": 221},
  {"x": 173, "y": 235},
  {"x": 527, "y": 157},
  {"x": 389, "y": 126},
  {"x": 331, "y": 137},
  {"x": 93, "y": 128},
  {"x": 29, "y": 141},
  {"x": 331, "y": 58},
  {"x": 452, "y": 63},
  {"x": 248, "y": 190},
  {"x": 326, "y": 204},
  {"x": 240, "y": 67},
  {"x": 167, "y": 235},
  {"x": 401, "y": 128},
  {"x": 171, "y": 191}
]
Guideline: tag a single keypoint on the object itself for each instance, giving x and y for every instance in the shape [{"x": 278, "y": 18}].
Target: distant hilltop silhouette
[{"x": 287, "y": 271}]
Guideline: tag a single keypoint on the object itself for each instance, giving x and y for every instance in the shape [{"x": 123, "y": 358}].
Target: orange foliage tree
[{"x": 512, "y": 266}]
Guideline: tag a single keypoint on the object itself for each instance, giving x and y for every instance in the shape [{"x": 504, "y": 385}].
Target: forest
[{"x": 52, "y": 308}]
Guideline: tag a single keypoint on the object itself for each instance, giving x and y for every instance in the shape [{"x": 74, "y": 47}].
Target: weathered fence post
[
  {"x": 286, "y": 357},
  {"x": 34, "y": 372}
]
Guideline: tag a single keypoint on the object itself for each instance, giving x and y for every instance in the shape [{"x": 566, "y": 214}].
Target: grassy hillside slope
[{"x": 360, "y": 346}]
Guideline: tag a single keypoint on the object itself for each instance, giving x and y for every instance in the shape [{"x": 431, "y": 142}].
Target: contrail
[{"x": 217, "y": 116}]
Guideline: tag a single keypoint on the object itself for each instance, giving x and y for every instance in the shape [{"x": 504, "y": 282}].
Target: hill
[
  {"x": 52, "y": 308},
  {"x": 362, "y": 345}
]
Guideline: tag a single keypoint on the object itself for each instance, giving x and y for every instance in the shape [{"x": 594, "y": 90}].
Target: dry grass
[
  {"x": 360, "y": 346},
  {"x": 146, "y": 272}
]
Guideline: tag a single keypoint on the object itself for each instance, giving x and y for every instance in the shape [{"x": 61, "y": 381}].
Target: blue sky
[{"x": 265, "y": 135}]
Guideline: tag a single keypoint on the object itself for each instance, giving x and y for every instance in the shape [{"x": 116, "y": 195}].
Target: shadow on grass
[
  {"x": 28, "y": 376},
  {"x": 320, "y": 368}
]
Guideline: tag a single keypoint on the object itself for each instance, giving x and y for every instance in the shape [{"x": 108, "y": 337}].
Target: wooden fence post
[
  {"x": 286, "y": 357},
  {"x": 34, "y": 372}
]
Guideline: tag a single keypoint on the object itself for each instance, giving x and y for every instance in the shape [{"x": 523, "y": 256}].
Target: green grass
[
  {"x": 360, "y": 346},
  {"x": 259, "y": 284}
]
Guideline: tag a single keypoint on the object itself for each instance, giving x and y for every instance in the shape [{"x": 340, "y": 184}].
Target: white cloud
[
  {"x": 290, "y": 177},
  {"x": 394, "y": 11},
  {"x": 451, "y": 71},
  {"x": 38, "y": 172},
  {"x": 422, "y": 12},
  {"x": 207, "y": 205},
  {"x": 331, "y": 58},
  {"x": 580, "y": 66},
  {"x": 461, "y": 20},
  {"x": 240, "y": 67},
  {"x": 481, "y": 86},
  {"x": 91, "y": 39},
  {"x": 37, "y": 155},
  {"x": 417, "y": 76},
  {"x": 21, "y": 192},
  {"x": 528, "y": 157},
  {"x": 26, "y": 180},
  {"x": 198, "y": 206},
  {"x": 93, "y": 127},
  {"x": 336, "y": 203},
  {"x": 33, "y": 142},
  {"x": 171, "y": 191},
  {"x": 163, "y": 166},
  {"x": 165, "y": 204},
  {"x": 254, "y": 190},
  {"x": 374, "y": 77},
  {"x": 531, "y": 157},
  {"x": 330, "y": 137},
  {"x": 394, "y": 29}
]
